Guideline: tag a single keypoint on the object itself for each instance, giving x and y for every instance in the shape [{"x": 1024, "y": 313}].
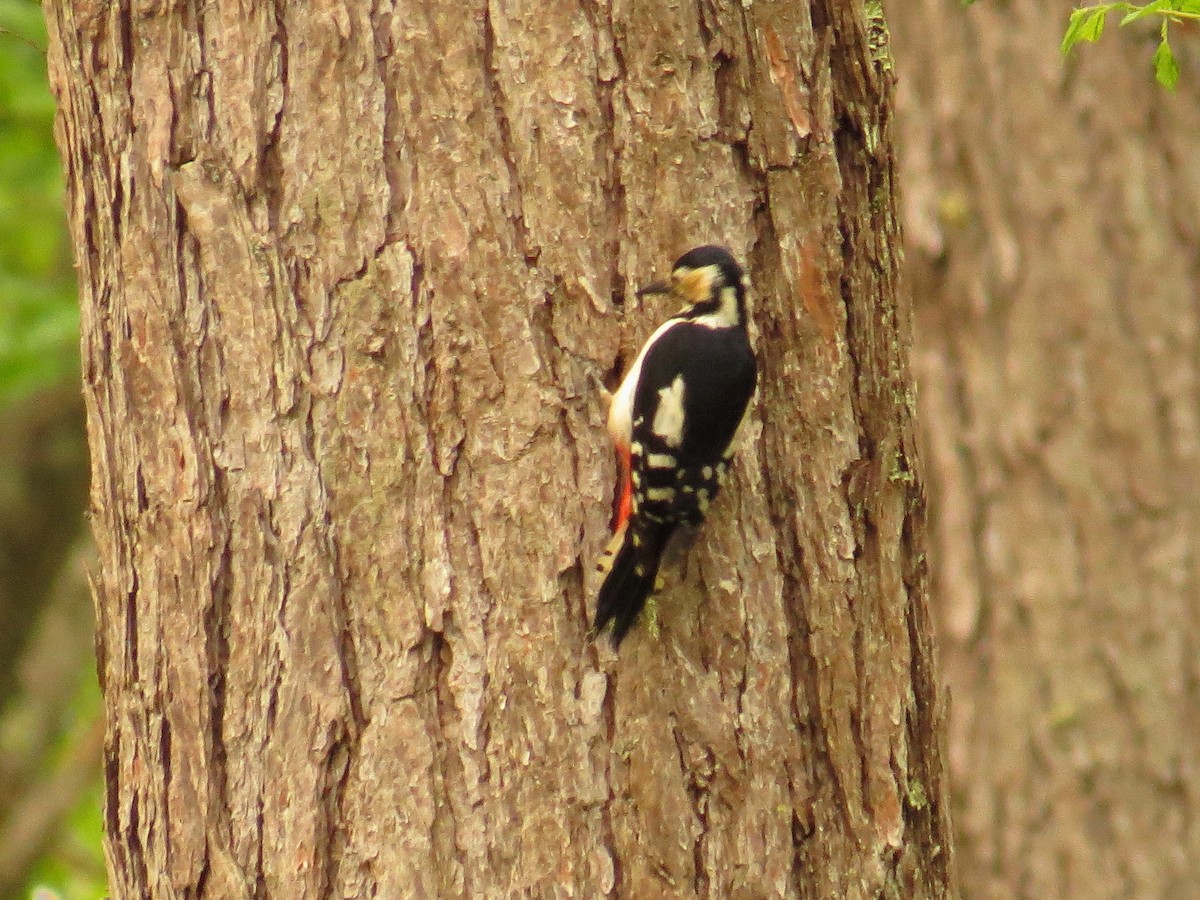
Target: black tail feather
[{"x": 630, "y": 580}]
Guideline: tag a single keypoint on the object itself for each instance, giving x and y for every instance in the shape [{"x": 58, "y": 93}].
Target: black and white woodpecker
[{"x": 673, "y": 420}]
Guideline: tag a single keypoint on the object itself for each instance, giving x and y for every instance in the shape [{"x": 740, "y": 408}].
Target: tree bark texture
[
  {"x": 1053, "y": 217},
  {"x": 352, "y": 274}
]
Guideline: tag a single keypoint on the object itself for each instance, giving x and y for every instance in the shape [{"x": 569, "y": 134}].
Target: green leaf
[
  {"x": 1149, "y": 9},
  {"x": 1166, "y": 68},
  {"x": 1087, "y": 24}
]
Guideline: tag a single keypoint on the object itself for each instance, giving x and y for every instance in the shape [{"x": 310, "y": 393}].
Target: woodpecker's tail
[{"x": 631, "y": 563}]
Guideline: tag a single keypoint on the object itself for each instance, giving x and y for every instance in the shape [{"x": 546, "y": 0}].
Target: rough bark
[
  {"x": 351, "y": 275},
  {"x": 1053, "y": 212}
]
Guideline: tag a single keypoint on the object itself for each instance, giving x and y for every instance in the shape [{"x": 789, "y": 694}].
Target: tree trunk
[
  {"x": 351, "y": 276},
  {"x": 1053, "y": 212}
]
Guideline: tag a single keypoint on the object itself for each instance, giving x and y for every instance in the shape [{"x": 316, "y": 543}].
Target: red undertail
[{"x": 623, "y": 503}]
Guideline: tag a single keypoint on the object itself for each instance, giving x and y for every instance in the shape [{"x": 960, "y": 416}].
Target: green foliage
[
  {"x": 1166, "y": 69},
  {"x": 39, "y": 325},
  {"x": 39, "y": 319},
  {"x": 1087, "y": 24}
]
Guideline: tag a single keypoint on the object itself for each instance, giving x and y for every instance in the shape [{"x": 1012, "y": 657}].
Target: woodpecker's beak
[{"x": 658, "y": 287}]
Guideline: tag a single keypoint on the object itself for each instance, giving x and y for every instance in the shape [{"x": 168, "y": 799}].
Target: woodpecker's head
[{"x": 711, "y": 283}]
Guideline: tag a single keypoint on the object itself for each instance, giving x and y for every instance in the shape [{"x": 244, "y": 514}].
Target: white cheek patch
[
  {"x": 668, "y": 418},
  {"x": 620, "y": 413}
]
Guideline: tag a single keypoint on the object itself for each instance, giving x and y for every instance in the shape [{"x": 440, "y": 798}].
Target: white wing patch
[
  {"x": 620, "y": 413},
  {"x": 668, "y": 418}
]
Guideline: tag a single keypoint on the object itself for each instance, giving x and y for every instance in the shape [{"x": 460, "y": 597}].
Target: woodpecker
[{"x": 673, "y": 420}]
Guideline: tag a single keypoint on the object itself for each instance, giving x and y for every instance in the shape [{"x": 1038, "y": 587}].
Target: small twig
[{"x": 23, "y": 40}]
